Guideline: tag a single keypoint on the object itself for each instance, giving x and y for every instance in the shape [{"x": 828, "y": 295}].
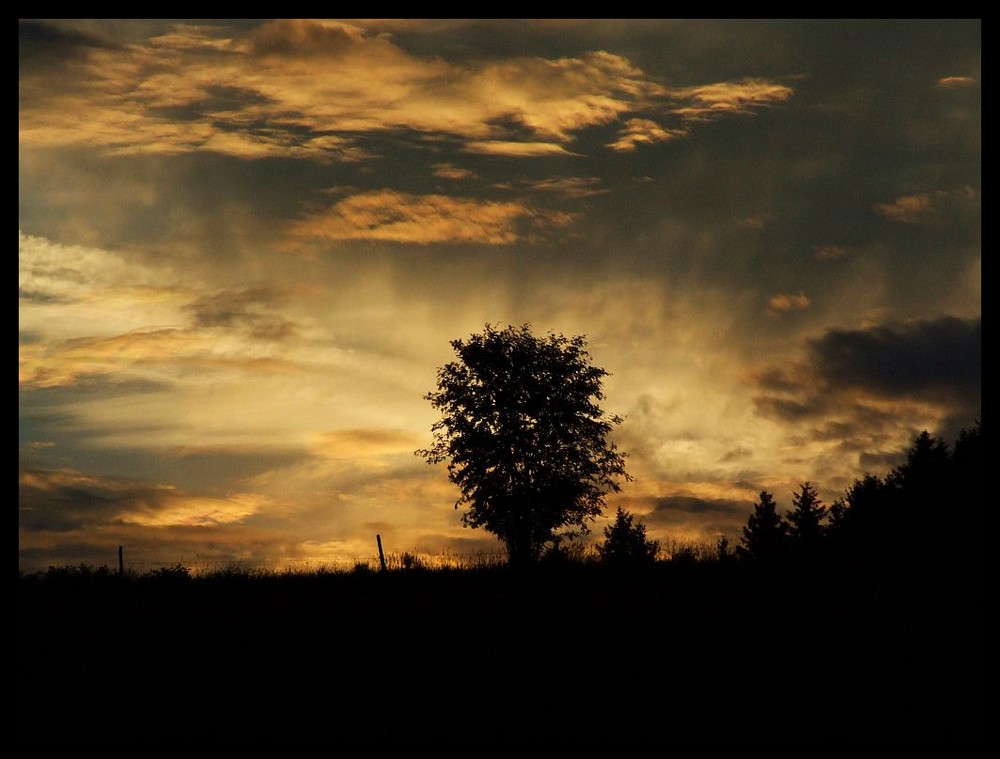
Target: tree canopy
[{"x": 524, "y": 437}]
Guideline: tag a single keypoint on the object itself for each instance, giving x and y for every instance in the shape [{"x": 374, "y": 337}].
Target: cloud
[
  {"x": 306, "y": 88},
  {"x": 756, "y": 223},
  {"x": 517, "y": 149},
  {"x": 736, "y": 454},
  {"x": 791, "y": 409},
  {"x": 250, "y": 309},
  {"x": 65, "y": 499},
  {"x": 861, "y": 392},
  {"x": 569, "y": 187},
  {"x": 88, "y": 314},
  {"x": 364, "y": 443},
  {"x": 783, "y": 304},
  {"x": 422, "y": 219},
  {"x": 195, "y": 511},
  {"x": 909, "y": 209},
  {"x": 314, "y": 89},
  {"x": 956, "y": 82},
  {"x": 687, "y": 517},
  {"x": 831, "y": 252},
  {"x": 930, "y": 207},
  {"x": 65, "y": 363},
  {"x": 643, "y": 132},
  {"x": 937, "y": 358},
  {"x": 450, "y": 171},
  {"x": 75, "y": 272},
  {"x": 702, "y": 102}
]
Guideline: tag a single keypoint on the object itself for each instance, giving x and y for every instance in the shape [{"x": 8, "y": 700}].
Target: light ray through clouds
[{"x": 244, "y": 248}]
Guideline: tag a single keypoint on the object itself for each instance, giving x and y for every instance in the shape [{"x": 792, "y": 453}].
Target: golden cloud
[
  {"x": 307, "y": 79},
  {"x": 570, "y": 187},
  {"x": 131, "y": 502},
  {"x": 450, "y": 171},
  {"x": 364, "y": 443},
  {"x": 516, "y": 149},
  {"x": 301, "y": 88},
  {"x": 179, "y": 510},
  {"x": 643, "y": 132},
  {"x": 936, "y": 207},
  {"x": 742, "y": 96},
  {"x": 399, "y": 217},
  {"x": 783, "y": 304},
  {"x": 68, "y": 478},
  {"x": 66, "y": 362},
  {"x": 909, "y": 209}
]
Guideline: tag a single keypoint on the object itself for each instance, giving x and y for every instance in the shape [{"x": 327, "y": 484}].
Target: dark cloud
[
  {"x": 692, "y": 505},
  {"x": 248, "y": 309},
  {"x": 710, "y": 516},
  {"x": 936, "y": 359},
  {"x": 38, "y": 297},
  {"x": 736, "y": 454},
  {"x": 790, "y": 409},
  {"x": 61, "y": 501},
  {"x": 42, "y": 44}
]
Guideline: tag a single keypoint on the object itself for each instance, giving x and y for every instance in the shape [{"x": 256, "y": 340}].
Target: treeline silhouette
[
  {"x": 858, "y": 619},
  {"x": 925, "y": 511}
]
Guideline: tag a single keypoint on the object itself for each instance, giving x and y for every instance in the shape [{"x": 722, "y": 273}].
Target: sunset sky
[{"x": 244, "y": 247}]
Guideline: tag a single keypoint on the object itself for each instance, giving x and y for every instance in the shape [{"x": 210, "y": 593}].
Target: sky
[{"x": 245, "y": 246}]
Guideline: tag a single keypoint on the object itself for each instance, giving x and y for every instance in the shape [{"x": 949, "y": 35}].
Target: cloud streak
[
  {"x": 777, "y": 305},
  {"x": 392, "y": 216}
]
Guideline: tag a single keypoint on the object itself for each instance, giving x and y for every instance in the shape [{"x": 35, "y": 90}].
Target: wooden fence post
[
  {"x": 121, "y": 562},
  {"x": 381, "y": 556}
]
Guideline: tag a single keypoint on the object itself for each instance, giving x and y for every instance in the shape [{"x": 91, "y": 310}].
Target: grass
[{"x": 465, "y": 649}]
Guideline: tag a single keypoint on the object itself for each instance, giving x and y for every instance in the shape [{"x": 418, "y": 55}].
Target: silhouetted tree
[
  {"x": 865, "y": 523},
  {"x": 625, "y": 542},
  {"x": 524, "y": 437},
  {"x": 766, "y": 534},
  {"x": 923, "y": 476},
  {"x": 805, "y": 520},
  {"x": 966, "y": 467}
]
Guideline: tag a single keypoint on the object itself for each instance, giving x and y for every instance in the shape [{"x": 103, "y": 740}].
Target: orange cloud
[
  {"x": 956, "y": 82},
  {"x": 783, "y": 304},
  {"x": 422, "y": 219}
]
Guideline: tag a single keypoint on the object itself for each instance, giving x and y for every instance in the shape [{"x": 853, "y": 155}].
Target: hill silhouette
[{"x": 873, "y": 634}]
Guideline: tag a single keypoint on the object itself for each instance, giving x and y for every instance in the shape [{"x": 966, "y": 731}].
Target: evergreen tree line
[{"x": 927, "y": 509}]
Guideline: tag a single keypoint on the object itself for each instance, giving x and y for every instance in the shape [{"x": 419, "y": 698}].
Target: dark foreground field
[{"x": 565, "y": 655}]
